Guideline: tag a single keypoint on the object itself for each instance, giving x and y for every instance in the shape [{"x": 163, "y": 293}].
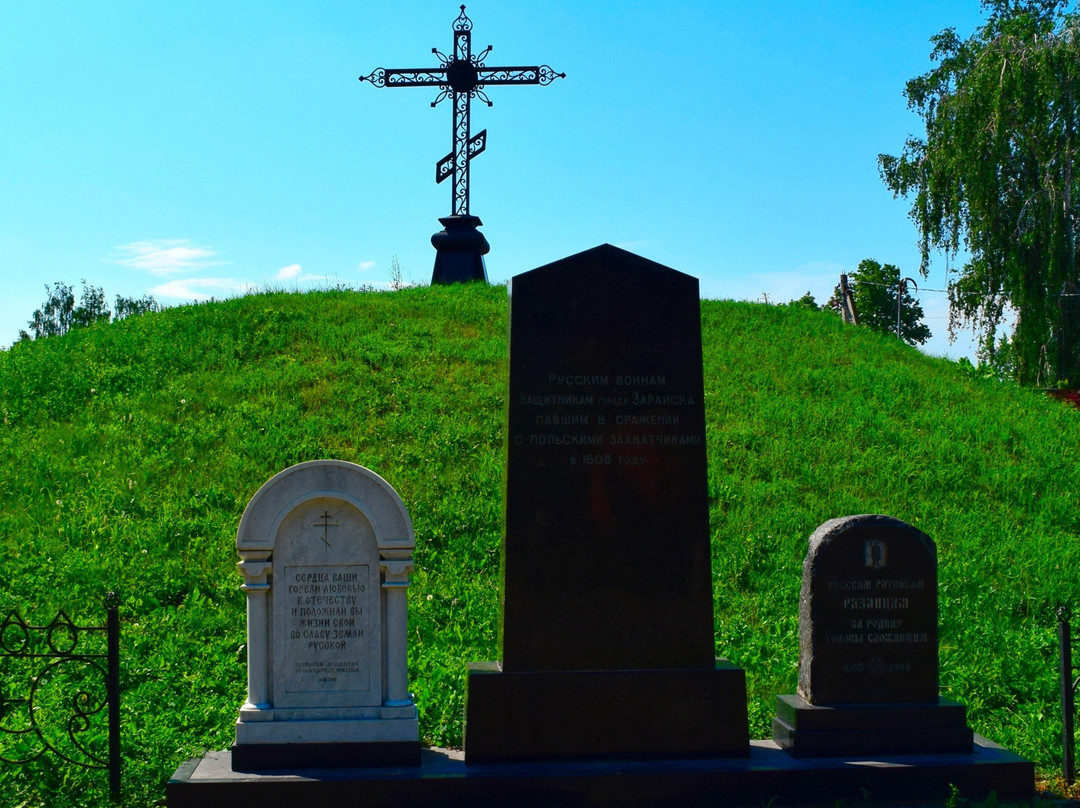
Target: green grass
[{"x": 128, "y": 453}]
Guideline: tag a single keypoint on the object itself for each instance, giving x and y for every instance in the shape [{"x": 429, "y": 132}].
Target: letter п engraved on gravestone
[{"x": 606, "y": 556}]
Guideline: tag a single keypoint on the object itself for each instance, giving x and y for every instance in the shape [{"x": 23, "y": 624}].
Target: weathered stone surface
[
  {"x": 868, "y": 627},
  {"x": 327, "y": 550},
  {"x": 868, "y": 647}
]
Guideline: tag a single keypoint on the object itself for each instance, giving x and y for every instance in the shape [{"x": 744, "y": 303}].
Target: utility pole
[{"x": 847, "y": 302}]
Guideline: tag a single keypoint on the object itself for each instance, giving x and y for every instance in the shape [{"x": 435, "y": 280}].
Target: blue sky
[{"x": 196, "y": 149}]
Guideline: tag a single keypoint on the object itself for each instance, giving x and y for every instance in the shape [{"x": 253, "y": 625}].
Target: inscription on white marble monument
[
  {"x": 327, "y": 602},
  {"x": 327, "y": 644}
]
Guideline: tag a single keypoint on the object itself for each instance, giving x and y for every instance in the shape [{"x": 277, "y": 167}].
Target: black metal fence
[
  {"x": 1069, "y": 682},
  {"x": 59, "y": 686}
]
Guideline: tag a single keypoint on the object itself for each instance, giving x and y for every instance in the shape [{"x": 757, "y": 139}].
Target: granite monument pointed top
[{"x": 606, "y": 508}]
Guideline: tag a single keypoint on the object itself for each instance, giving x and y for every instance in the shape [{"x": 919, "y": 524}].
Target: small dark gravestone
[
  {"x": 606, "y": 632},
  {"x": 868, "y": 646}
]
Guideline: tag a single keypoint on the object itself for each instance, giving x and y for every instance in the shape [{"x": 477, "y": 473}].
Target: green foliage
[
  {"x": 874, "y": 287},
  {"x": 55, "y": 316},
  {"x": 996, "y": 176},
  {"x": 92, "y": 308},
  {"x": 805, "y": 302},
  {"x": 134, "y": 306},
  {"x": 58, "y": 314},
  {"x": 128, "y": 453}
]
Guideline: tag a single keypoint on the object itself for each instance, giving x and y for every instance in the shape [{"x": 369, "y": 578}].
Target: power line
[{"x": 858, "y": 282}]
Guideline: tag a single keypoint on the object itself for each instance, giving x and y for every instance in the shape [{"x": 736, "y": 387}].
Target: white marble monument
[{"x": 326, "y": 549}]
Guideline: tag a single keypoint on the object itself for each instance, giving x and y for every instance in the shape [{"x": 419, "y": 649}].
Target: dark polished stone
[
  {"x": 808, "y": 730},
  {"x": 256, "y": 757},
  {"x": 606, "y": 549},
  {"x": 767, "y": 774},
  {"x": 606, "y": 627},
  {"x": 548, "y": 715}
]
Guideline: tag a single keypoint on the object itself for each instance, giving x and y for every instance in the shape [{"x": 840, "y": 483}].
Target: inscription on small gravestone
[
  {"x": 868, "y": 646},
  {"x": 327, "y": 550},
  {"x": 868, "y": 614}
]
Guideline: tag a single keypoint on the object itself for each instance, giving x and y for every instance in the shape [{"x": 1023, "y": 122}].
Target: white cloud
[
  {"x": 364, "y": 266},
  {"x": 165, "y": 256},
  {"x": 202, "y": 288},
  {"x": 296, "y": 274}
]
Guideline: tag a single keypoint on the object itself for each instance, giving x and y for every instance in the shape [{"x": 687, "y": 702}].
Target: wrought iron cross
[{"x": 462, "y": 77}]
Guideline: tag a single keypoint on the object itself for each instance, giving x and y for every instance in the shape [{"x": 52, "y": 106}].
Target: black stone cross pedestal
[
  {"x": 606, "y": 632},
  {"x": 459, "y": 251}
]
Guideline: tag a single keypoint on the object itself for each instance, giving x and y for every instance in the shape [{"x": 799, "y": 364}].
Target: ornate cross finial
[{"x": 461, "y": 77}]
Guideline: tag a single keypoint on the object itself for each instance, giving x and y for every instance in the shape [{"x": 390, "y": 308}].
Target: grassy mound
[{"x": 128, "y": 452}]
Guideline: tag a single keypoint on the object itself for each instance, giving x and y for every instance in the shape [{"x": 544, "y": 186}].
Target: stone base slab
[
  {"x": 264, "y": 757},
  {"x": 767, "y": 772},
  {"x": 567, "y": 715},
  {"x": 810, "y": 730},
  {"x": 264, "y": 745},
  {"x": 343, "y": 731}
]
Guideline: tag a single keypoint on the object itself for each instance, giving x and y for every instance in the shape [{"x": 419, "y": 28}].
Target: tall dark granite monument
[
  {"x": 459, "y": 247},
  {"x": 868, "y": 646},
  {"x": 606, "y": 633}
]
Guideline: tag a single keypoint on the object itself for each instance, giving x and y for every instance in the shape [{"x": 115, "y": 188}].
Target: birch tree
[{"x": 996, "y": 178}]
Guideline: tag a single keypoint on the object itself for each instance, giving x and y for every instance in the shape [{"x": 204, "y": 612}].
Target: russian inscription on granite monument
[
  {"x": 606, "y": 634},
  {"x": 868, "y": 646},
  {"x": 868, "y": 615}
]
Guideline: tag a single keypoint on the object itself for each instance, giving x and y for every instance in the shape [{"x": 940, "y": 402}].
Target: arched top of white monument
[{"x": 336, "y": 479}]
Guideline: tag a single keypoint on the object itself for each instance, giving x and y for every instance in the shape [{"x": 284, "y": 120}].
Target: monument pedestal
[
  {"x": 267, "y": 757},
  {"x": 619, "y": 714},
  {"x": 390, "y": 737},
  {"x": 813, "y": 730},
  {"x": 767, "y": 774},
  {"x": 460, "y": 250}
]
